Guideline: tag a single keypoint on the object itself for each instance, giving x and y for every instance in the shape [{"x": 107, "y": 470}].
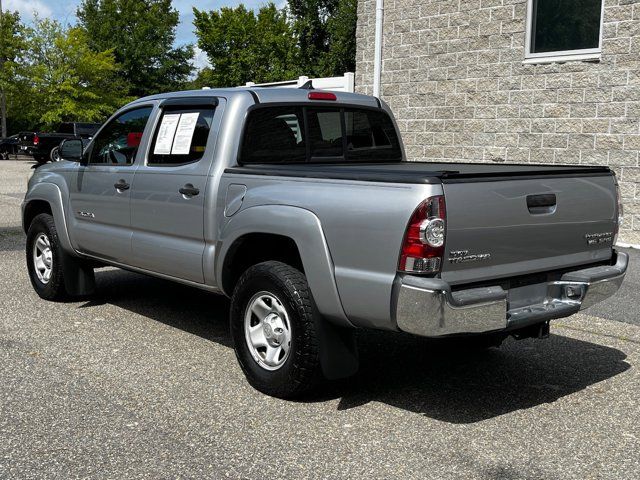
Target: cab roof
[{"x": 268, "y": 95}]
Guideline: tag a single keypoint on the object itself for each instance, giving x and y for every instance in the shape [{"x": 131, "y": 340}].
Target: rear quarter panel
[{"x": 363, "y": 224}]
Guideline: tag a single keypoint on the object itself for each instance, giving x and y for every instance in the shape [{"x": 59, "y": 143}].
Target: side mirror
[{"x": 71, "y": 149}]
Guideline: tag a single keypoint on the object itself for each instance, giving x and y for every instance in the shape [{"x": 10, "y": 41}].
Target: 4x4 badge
[{"x": 598, "y": 238}]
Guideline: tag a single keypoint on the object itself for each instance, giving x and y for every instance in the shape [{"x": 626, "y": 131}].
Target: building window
[{"x": 568, "y": 29}]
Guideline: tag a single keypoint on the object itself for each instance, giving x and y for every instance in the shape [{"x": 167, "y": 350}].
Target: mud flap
[
  {"x": 338, "y": 350},
  {"x": 79, "y": 279}
]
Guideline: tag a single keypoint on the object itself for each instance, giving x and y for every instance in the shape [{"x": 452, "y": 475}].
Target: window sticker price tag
[
  {"x": 184, "y": 133},
  {"x": 166, "y": 134}
]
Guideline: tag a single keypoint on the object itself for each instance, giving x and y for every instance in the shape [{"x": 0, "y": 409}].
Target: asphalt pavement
[{"x": 140, "y": 381}]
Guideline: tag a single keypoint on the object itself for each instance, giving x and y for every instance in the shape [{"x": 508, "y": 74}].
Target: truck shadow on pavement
[
  {"x": 458, "y": 385},
  {"x": 444, "y": 381}
]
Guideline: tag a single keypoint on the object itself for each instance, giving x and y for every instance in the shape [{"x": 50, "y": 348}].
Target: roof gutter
[{"x": 377, "y": 61}]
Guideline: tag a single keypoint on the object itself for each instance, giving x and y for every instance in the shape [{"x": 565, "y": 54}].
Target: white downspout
[{"x": 377, "y": 60}]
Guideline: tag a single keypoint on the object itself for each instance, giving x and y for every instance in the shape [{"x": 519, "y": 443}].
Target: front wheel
[
  {"x": 273, "y": 326},
  {"x": 44, "y": 258}
]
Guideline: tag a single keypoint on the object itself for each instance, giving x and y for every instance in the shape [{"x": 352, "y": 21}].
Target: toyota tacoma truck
[{"x": 300, "y": 206}]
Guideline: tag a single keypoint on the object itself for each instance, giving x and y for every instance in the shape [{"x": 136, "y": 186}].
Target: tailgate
[{"x": 517, "y": 226}]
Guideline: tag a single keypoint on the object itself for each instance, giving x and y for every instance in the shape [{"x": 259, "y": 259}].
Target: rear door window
[{"x": 181, "y": 136}]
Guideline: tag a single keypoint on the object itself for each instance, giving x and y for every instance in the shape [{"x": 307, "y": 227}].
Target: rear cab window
[
  {"x": 275, "y": 135},
  {"x": 181, "y": 135},
  {"x": 318, "y": 134},
  {"x": 66, "y": 128},
  {"x": 87, "y": 129}
]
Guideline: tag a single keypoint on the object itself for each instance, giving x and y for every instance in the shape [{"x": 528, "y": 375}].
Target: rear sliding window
[
  {"x": 181, "y": 136},
  {"x": 87, "y": 129},
  {"x": 318, "y": 134}
]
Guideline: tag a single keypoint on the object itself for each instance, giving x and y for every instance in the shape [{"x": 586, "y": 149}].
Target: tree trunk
[
  {"x": 3, "y": 113},
  {"x": 3, "y": 98}
]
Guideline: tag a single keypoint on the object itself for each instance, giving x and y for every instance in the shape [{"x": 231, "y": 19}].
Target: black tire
[
  {"x": 301, "y": 371},
  {"x": 54, "y": 288},
  {"x": 54, "y": 155}
]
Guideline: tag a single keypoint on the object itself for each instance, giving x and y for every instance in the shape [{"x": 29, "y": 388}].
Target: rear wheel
[
  {"x": 44, "y": 258},
  {"x": 55, "y": 155},
  {"x": 273, "y": 325}
]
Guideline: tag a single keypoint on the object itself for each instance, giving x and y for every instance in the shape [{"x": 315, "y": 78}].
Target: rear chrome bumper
[{"x": 427, "y": 306}]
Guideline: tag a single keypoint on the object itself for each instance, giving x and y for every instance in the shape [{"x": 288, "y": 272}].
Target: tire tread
[{"x": 305, "y": 374}]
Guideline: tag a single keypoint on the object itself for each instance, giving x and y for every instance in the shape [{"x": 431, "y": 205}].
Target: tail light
[
  {"x": 36, "y": 140},
  {"x": 423, "y": 245},
  {"x": 620, "y": 219}
]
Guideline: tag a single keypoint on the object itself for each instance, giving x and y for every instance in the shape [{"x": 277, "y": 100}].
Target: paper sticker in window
[
  {"x": 166, "y": 134},
  {"x": 184, "y": 133}
]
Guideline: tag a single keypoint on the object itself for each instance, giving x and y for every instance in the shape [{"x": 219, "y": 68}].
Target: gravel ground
[{"x": 139, "y": 381}]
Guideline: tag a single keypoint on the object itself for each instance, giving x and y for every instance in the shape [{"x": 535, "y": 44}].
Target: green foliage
[
  {"x": 326, "y": 31},
  {"x": 67, "y": 79},
  {"x": 123, "y": 49},
  {"x": 13, "y": 47},
  {"x": 340, "y": 56},
  {"x": 243, "y": 46},
  {"x": 141, "y": 34},
  {"x": 310, "y": 37}
]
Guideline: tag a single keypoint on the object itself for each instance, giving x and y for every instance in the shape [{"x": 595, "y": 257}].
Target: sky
[{"x": 64, "y": 12}]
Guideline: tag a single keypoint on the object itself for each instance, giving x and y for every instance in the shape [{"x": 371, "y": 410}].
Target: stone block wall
[{"x": 454, "y": 76}]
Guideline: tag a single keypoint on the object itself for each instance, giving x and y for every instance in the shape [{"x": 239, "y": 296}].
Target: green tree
[
  {"x": 326, "y": 32},
  {"x": 243, "y": 46},
  {"x": 12, "y": 51},
  {"x": 341, "y": 31},
  {"x": 69, "y": 80},
  {"x": 141, "y": 34}
]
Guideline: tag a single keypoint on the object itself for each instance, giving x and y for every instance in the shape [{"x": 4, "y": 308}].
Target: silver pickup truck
[{"x": 300, "y": 206}]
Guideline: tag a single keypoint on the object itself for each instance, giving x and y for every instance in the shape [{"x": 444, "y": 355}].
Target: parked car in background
[
  {"x": 45, "y": 146},
  {"x": 8, "y": 146},
  {"x": 25, "y": 142},
  {"x": 301, "y": 207}
]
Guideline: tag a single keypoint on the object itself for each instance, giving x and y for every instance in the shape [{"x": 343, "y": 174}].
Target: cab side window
[{"x": 118, "y": 142}]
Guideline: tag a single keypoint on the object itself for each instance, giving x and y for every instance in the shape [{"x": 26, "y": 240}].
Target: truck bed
[
  {"x": 493, "y": 220},
  {"x": 418, "y": 172}
]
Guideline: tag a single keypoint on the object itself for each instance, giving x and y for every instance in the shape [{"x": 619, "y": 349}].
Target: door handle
[
  {"x": 121, "y": 185},
  {"x": 189, "y": 190}
]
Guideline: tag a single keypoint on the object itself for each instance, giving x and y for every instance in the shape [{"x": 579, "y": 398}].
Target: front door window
[{"x": 118, "y": 142}]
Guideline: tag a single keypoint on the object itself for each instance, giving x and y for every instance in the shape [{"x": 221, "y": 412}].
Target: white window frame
[{"x": 561, "y": 55}]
